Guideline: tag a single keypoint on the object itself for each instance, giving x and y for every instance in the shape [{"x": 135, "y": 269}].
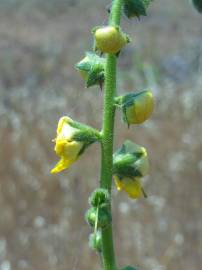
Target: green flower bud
[
  {"x": 99, "y": 197},
  {"x": 198, "y": 5},
  {"x": 110, "y": 39},
  {"x": 130, "y": 160},
  {"x": 99, "y": 216},
  {"x": 136, "y": 107},
  {"x": 95, "y": 241},
  {"x": 92, "y": 69}
]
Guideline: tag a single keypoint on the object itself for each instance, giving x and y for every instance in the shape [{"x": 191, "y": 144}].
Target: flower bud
[
  {"x": 136, "y": 107},
  {"x": 110, "y": 39},
  {"x": 95, "y": 241},
  {"x": 130, "y": 160},
  {"x": 99, "y": 216},
  {"x": 99, "y": 197},
  {"x": 91, "y": 69},
  {"x": 71, "y": 140}
]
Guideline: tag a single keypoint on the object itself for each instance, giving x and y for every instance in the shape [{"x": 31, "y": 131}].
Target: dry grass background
[{"x": 42, "y": 223}]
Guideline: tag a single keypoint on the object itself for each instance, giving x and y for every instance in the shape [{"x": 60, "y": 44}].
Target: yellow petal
[
  {"x": 131, "y": 186},
  {"x": 63, "y": 120},
  {"x": 72, "y": 149},
  {"x": 62, "y": 165},
  {"x": 59, "y": 146},
  {"x": 118, "y": 183}
]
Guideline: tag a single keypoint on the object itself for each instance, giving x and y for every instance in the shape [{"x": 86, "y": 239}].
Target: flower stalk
[{"x": 108, "y": 256}]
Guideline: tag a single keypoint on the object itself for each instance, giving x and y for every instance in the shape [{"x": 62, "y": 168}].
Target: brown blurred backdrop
[{"x": 42, "y": 223}]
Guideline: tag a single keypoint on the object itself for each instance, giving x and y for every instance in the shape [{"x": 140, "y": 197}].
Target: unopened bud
[
  {"x": 136, "y": 107},
  {"x": 99, "y": 197},
  {"x": 91, "y": 69},
  {"x": 110, "y": 39},
  {"x": 95, "y": 241},
  {"x": 98, "y": 216}
]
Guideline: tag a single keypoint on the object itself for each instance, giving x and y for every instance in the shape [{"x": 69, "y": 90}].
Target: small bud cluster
[{"x": 98, "y": 216}]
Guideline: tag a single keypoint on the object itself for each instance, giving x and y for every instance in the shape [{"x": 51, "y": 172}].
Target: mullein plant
[{"x": 128, "y": 164}]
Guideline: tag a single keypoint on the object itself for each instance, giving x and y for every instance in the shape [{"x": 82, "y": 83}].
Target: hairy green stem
[{"x": 108, "y": 256}]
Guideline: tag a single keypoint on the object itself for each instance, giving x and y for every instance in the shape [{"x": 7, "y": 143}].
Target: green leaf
[
  {"x": 136, "y": 8},
  {"x": 198, "y": 5}
]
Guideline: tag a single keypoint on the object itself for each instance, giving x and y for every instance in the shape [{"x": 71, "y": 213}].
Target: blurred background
[{"x": 42, "y": 223}]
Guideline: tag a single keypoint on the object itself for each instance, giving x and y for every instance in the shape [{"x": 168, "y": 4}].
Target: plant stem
[{"x": 108, "y": 257}]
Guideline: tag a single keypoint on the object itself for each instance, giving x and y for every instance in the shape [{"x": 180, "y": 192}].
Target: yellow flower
[
  {"x": 130, "y": 185},
  {"x": 140, "y": 109},
  {"x": 66, "y": 147}
]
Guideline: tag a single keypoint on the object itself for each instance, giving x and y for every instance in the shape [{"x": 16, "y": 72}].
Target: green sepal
[
  {"x": 95, "y": 241},
  {"x": 95, "y": 77},
  {"x": 85, "y": 133},
  {"x": 99, "y": 197},
  {"x": 101, "y": 216},
  {"x": 129, "y": 147},
  {"x": 198, "y": 5},
  {"x": 129, "y": 268},
  {"x": 127, "y": 160},
  {"x": 88, "y": 136},
  {"x": 93, "y": 67},
  {"x": 127, "y": 99}
]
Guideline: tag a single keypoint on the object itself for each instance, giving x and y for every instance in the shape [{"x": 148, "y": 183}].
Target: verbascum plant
[{"x": 129, "y": 164}]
